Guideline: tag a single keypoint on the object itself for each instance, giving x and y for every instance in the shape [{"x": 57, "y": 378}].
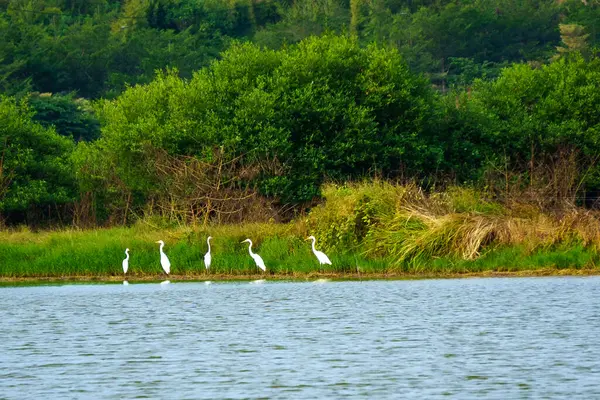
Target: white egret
[
  {"x": 207, "y": 258},
  {"x": 164, "y": 260},
  {"x": 126, "y": 262},
  {"x": 257, "y": 259},
  {"x": 322, "y": 257}
]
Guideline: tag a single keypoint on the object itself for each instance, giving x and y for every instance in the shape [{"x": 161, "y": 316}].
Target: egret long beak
[
  {"x": 307, "y": 239},
  {"x": 158, "y": 241}
]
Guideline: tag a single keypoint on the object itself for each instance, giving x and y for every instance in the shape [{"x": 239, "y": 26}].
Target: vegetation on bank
[
  {"x": 373, "y": 228},
  {"x": 253, "y": 137},
  {"x": 479, "y": 120}
]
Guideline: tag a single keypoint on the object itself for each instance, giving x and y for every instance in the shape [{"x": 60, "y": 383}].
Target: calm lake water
[{"x": 471, "y": 338}]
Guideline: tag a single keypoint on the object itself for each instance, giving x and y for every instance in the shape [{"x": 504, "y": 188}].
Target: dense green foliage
[
  {"x": 529, "y": 116},
  {"x": 546, "y": 112},
  {"x": 239, "y": 110},
  {"x": 324, "y": 108},
  {"x": 70, "y": 117},
  {"x": 97, "y": 47},
  {"x": 34, "y": 162}
]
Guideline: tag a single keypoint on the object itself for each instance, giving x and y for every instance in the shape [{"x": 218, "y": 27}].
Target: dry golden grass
[{"x": 459, "y": 223}]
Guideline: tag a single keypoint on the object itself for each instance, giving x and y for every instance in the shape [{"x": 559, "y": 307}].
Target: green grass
[
  {"x": 518, "y": 259},
  {"x": 98, "y": 253}
]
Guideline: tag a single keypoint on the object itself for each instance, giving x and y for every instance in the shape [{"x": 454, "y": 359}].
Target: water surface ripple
[{"x": 472, "y": 338}]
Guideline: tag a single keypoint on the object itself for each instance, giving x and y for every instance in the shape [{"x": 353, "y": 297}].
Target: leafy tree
[
  {"x": 488, "y": 33},
  {"x": 34, "y": 161},
  {"x": 97, "y": 48},
  {"x": 326, "y": 107},
  {"x": 537, "y": 113}
]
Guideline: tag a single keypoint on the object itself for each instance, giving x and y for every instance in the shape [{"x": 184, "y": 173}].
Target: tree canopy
[
  {"x": 97, "y": 47},
  {"x": 35, "y": 167},
  {"x": 118, "y": 108}
]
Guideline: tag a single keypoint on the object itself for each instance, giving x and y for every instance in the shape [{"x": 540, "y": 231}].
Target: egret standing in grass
[
  {"x": 164, "y": 260},
  {"x": 257, "y": 259},
  {"x": 207, "y": 258},
  {"x": 126, "y": 262},
  {"x": 322, "y": 257}
]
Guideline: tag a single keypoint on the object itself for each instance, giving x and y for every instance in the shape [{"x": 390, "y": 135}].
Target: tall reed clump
[
  {"x": 459, "y": 224},
  {"x": 455, "y": 223},
  {"x": 411, "y": 229}
]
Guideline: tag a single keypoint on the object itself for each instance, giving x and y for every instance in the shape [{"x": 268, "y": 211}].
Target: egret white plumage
[
  {"x": 164, "y": 260},
  {"x": 207, "y": 257},
  {"x": 257, "y": 259},
  {"x": 126, "y": 261},
  {"x": 322, "y": 257}
]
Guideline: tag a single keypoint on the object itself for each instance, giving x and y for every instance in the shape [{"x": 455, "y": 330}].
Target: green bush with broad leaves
[{"x": 326, "y": 108}]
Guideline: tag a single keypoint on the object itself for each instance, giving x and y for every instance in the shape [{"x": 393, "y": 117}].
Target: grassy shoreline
[
  {"x": 376, "y": 228},
  {"x": 97, "y": 254}
]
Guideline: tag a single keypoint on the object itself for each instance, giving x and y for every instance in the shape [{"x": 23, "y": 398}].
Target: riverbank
[
  {"x": 375, "y": 228},
  {"x": 97, "y": 255}
]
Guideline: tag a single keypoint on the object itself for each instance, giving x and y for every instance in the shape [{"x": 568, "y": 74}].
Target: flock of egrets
[{"x": 166, "y": 264}]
